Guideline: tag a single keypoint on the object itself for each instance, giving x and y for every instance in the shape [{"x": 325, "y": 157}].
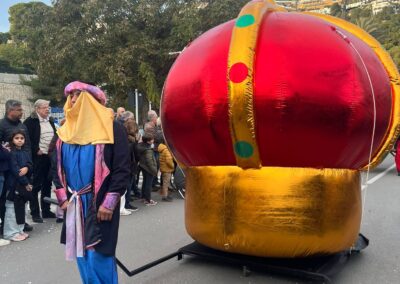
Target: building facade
[
  {"x": 378, "y": 5},
  {"x": 11, "y": 88},
  {"x": 323, "y": 6}
]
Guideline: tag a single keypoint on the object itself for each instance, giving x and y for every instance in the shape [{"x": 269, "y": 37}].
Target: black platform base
[{"x": 319, "y": 269}]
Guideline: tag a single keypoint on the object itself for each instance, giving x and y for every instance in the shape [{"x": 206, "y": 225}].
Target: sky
[{"x": 5, "y": 4}]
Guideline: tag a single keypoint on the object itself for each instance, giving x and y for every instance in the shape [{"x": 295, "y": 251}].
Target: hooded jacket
[
  {"x": 146, "y": 158},
  {"x": 166, "y": 160}
]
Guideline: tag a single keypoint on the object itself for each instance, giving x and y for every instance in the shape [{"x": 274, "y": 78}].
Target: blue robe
[{"x": 78, "y": 164}]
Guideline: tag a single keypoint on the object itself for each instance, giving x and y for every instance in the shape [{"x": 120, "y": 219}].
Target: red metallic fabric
[
  {"x": 312, "y": 98},
  {"x": 194, "y": 107},
  {"x": 313, "y": 101}
]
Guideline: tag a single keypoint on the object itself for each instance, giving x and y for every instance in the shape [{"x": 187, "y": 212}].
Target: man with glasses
[
  {"x": 41, "y": 131},
  {"x": 10, "y": 123}
]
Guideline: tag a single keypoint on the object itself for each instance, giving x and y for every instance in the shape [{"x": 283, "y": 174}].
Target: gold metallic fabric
[
  {"x": 240, "y": 82},
  {"x": 273, "y": 212}
]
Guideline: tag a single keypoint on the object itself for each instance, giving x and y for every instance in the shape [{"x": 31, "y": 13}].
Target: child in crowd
[
  {"x": 148, "y": 164},
  {"x": 18, "y": 188},
  {"x": 167, "y": 168}
]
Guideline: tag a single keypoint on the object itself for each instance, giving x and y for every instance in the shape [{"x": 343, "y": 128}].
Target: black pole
[{"x": 149, "y": 265}]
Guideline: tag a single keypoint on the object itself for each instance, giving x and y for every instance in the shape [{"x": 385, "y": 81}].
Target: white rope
[
  {"x": 379, "y": 176},
  {"x": 365, "y": 185}
]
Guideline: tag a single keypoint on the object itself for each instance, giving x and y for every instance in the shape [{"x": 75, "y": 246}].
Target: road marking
[{"x": 374, "y": 179}]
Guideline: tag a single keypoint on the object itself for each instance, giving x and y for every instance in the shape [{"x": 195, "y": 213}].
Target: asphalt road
[{"x": 153, "y": 232}]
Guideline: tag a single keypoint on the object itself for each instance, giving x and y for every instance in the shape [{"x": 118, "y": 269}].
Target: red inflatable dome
[{"x": 313, "y": 105}]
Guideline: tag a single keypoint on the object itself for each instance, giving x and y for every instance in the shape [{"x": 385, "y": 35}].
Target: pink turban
[{"x": 96, "y": 92}]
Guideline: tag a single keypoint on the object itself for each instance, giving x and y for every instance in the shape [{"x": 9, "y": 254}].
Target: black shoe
[
  {"x": 48, "y": 214},
  {"x": 167, "y": 199},
  {"x": 28, "y": 228},
  {"x": 59, "y": 220},
  {"x": 131, "y": 208},
  {"x": 36, "y": 219}
]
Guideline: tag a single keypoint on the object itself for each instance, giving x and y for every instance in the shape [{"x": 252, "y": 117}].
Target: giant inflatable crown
[{"x": 273, "y": 115}]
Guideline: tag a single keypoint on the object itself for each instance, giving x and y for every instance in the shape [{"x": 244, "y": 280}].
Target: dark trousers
[
  {"x": 19, "y": 207},
  {"x": 138, "y": 176},
  {"x": 41, "y": 183},
  {"x": 2, "y": 200},
  {"x": 134, "y": 186},
  {"x": 157, "y": 157},
  {"x": 130, "y": 190},
  {"x": 147, "y": 185}
]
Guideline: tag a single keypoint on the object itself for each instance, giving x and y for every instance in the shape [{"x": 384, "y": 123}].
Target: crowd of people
[{"x": 28, "y": 165}]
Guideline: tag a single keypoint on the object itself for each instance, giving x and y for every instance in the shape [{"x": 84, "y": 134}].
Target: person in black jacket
[
  {"x": 41, "y": 130},
  {"x": 148, "y": 164},
  {"x": 132, "y": 130},
  {"x": 10, "y": 123}
]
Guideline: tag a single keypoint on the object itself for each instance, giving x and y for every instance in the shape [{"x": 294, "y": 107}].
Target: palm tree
[{"x": 369, "y": 25}]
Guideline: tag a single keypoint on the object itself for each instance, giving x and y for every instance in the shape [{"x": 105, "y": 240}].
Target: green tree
[
  {"x": 354, "y": 14},
  {"x": 26, "y": 25},
  {"x": 25, "y": 18},
  {"x": 118, "y": 44},
  {"x": 4, "y": 37},
  {"x": 13, "y": 60},
  {"x": 370, "y": 25},
  {"x": 336, "y": 10},
  {"x": 216, "y": 12},
  {"x": 395, "y": 53}
]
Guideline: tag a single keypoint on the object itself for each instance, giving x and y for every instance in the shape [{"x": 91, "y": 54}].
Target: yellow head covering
[{"x": 87, "y": 122}]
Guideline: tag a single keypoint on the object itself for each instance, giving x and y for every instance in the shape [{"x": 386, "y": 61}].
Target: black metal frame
[
  {"x": 149, "y": 265},
  {"x": 319, "y": 269}
]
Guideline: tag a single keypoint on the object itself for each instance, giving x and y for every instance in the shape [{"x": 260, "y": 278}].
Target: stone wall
[{"x": 11, "y": 88}]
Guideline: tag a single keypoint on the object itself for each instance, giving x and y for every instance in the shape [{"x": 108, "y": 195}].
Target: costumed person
[{"x": 91, "y": 177}]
